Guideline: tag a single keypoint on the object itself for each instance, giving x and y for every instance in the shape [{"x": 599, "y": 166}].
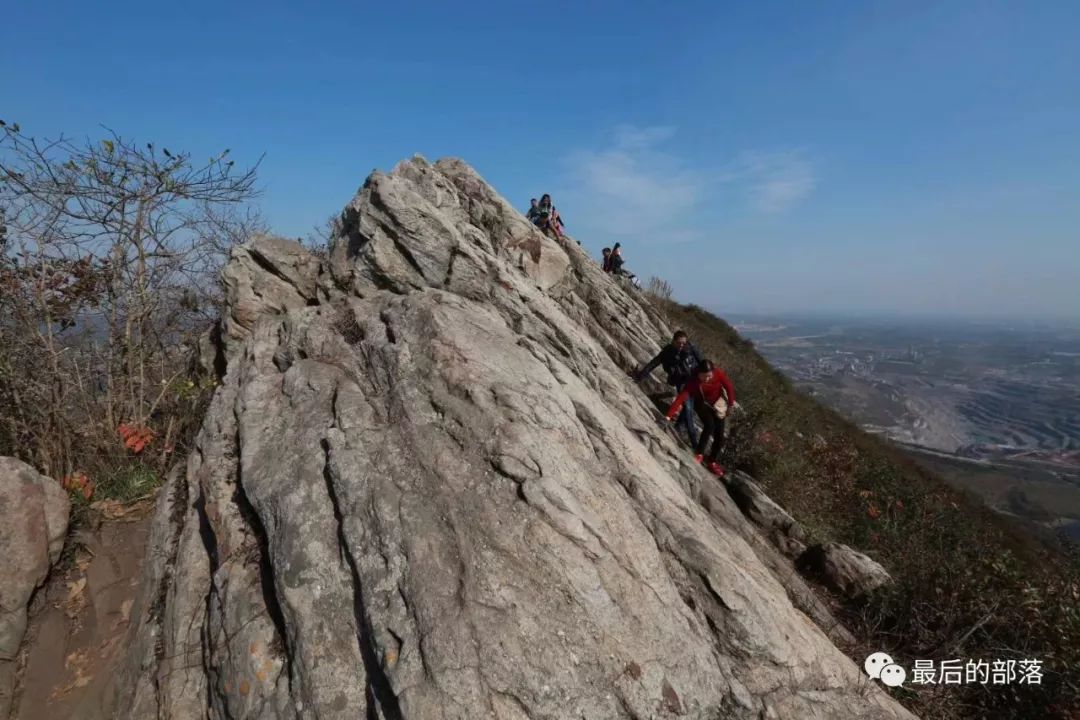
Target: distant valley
[{"x": 994, "y": 407}]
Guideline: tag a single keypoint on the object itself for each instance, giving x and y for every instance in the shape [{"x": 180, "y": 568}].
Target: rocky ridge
[{"x": 425, "y": 489}]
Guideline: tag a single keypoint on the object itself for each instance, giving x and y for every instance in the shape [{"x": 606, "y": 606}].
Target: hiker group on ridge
[
  {"x": 543, "y": 215},
  {"x": 701, "y": 388}
]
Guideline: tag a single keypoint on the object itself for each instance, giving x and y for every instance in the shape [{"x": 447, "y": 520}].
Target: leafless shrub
[
  {"x": 659, "y": 288},
  {"x": 318, "y": 239},
  {"x": 109, "y": 257}
]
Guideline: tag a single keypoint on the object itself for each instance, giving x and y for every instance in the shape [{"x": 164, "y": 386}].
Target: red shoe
[
  {"x": 716, "y": 469},
  {"x": 698, "y": 458}
]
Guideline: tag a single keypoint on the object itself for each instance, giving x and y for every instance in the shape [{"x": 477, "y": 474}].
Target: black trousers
[{"x": 712, "y": 427}]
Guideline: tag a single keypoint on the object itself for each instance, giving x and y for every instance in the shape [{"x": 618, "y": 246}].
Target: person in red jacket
[{"x": 713, "y": 395}]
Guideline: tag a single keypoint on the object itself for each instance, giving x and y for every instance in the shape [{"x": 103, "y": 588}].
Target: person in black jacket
[
  {"x": 534, "y": 212},
  {"x": 679, "y": 359},
  {"x": 617, "y": 264}
]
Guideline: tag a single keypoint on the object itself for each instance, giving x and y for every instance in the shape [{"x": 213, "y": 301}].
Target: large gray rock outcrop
[
  {"x": 763, "y": 511},
  {"x": 33, "y": 524},
  {"x": 266, "y": 276},
  {"x": 847, "y": 571},
  {"x": 426, "y": 489}
]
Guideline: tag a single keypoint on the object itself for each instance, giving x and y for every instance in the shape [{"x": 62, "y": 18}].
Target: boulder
[
  {"x": 33, "y": 524},
  {"x": 428, "y": 490},
  {"x": 848, "y": 571},
  {"x": 266, "y": 275},
  {"x": 777, "y": 524}
]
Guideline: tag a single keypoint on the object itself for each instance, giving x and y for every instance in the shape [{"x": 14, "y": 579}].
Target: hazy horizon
[
  {"x": 1069, "y": 322},
  {"x": 902, "y": 158}
]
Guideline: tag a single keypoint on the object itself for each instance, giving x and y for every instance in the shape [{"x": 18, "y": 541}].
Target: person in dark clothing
[
  {"x": 606, "y": 264},
  {"x": 713, "y": 396},
  {"x": 617, "y": 265},
  {"x": 679, "y": 359},
  {"x": 534, "y": 212}
]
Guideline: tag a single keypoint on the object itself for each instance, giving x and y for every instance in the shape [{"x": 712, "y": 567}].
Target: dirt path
[{"x": 78, "y": 622}]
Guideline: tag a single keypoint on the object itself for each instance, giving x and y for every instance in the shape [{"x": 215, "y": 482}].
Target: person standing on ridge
[
  {"x": 713, "y": 395},
  {"x": 679, "y": 359},
  {"x": 534, "y": 212},
  {"x": 606, "y": 264}
]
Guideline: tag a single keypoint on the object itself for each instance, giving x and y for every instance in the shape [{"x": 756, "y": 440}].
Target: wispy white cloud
[
  {"x": 775, "y": 181},
  {"x": 633, "y": 188},
  {"x": 631, "y": 137}
]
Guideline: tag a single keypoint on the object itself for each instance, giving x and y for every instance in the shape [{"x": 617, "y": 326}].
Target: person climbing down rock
[
  {"x": 713, "y": 394},
  {"x": 617, "y": 265},
  {"x": 680, "y": 359}
]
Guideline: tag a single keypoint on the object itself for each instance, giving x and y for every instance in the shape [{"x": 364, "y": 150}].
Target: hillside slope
[
  {"x": 425, "y": 488},
  {"x": 969, "y": 584}
]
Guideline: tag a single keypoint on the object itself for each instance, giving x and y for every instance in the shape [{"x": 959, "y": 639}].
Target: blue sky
[{"x": 903, "y": 157}]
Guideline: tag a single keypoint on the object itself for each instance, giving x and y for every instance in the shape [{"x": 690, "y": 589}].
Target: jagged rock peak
[
  {"x": 438, "y": 225},
  {"x": 425, "y": 489}
]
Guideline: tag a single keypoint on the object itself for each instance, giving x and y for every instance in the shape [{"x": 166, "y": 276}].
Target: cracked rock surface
[
  {"x": 425, "y": 489},
  {"x": 34, "y": 513}
]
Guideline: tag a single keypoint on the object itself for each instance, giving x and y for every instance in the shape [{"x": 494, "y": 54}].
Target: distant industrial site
[{"x": 993, "y": 406}]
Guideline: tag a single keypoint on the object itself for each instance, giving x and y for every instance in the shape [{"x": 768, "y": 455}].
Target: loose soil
[{"x": 75, "y": 641}]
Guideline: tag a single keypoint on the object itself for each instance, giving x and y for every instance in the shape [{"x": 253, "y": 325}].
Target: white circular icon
[
  {"x": 876, "y": 663},
  {"x": 893, "y": 675}
]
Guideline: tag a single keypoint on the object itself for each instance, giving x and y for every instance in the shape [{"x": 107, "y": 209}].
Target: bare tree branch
[{"x": 109, "y": 260}]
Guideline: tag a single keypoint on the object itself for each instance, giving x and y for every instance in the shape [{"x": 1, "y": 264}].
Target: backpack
[{"x": 682, "y": 369}]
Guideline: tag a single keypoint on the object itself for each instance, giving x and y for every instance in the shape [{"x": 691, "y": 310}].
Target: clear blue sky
[{"x": 910, "y": 157}]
